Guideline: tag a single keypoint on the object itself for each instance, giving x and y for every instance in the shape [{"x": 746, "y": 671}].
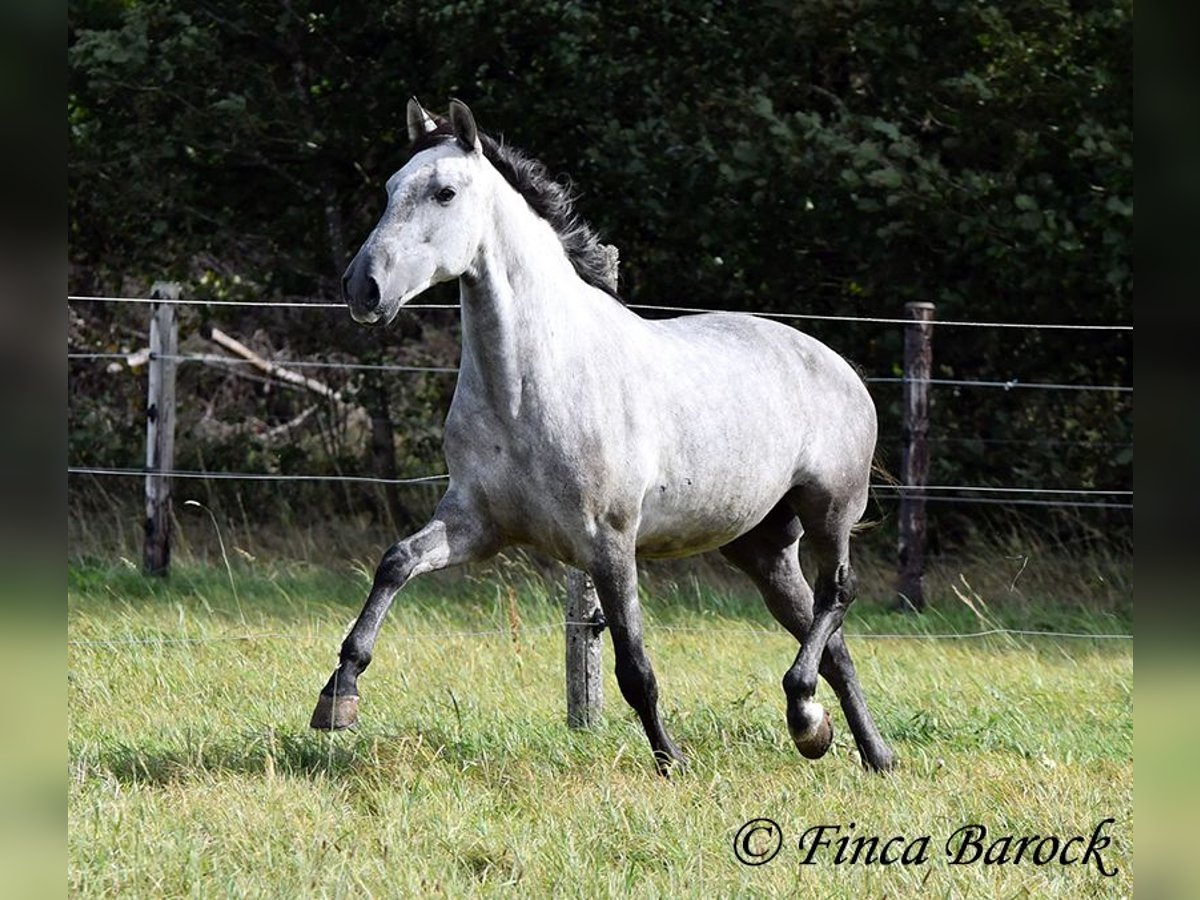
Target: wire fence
[
  {"x": 523, "y": 629},
  {"x": 877, "y": 320},
  {"x": 250, "y": 476},
  {"x": 888, "y": 490},
  {"x": 135, "y": 359},
  {"x": 973, "y": 494}
]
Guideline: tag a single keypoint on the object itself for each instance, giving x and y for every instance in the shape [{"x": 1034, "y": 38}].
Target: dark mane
[{"x": 550, "y": 199}]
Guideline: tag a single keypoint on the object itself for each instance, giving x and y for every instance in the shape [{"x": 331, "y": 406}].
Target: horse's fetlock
[
  {"x": 355, "y": 657},
  {"x": 797, "y": 687}
]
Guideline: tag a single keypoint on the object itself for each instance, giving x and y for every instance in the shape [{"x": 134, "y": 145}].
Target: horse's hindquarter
[{"x": 747, "y": 409}]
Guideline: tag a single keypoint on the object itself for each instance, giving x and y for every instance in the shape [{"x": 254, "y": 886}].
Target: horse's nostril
[{"x": 361, "y": 292}]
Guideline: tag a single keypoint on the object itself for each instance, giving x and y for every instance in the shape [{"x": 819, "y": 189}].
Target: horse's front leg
[
  {"x": 457, "y": 533},
  {"x": 614, "y": 573}
]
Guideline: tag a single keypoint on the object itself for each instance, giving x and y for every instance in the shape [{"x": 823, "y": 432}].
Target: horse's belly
[
  {"x": 674, "y": 544},
  {"x": 674, "y": 527},
  {"x": 715, "y": 477}
]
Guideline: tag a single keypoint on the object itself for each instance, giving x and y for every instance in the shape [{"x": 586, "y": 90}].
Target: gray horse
[{"x": 599, "y": 437}]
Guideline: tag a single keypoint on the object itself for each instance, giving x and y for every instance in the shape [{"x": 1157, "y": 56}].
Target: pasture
[{"x": 192, "y": 771}]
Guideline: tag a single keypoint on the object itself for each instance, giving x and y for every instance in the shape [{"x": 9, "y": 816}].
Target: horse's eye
[{"x": 445, "y": 195}]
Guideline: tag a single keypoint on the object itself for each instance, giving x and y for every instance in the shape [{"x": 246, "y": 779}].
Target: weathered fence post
[
  {"x": 160, "y": 430},
  {"x": 585, "y": 678},
  {"x": 918, "y": 364},
  {"x": 585, "y": 621}
]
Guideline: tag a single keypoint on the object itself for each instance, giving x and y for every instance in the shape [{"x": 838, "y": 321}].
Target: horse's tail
[{"x": 877, "y": 468}]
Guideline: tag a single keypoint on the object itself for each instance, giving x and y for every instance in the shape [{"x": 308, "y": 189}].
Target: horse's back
[{"x": 757, "y": 376}]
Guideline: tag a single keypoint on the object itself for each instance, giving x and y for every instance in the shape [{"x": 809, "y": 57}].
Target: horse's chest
[{"x": 534, "y": 484}]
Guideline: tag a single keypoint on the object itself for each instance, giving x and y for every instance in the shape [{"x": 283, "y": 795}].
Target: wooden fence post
[
  {"x": 160, "y": 430},
  {"x": 918, "y": 364},
  {"x": 585, "y": 678}
]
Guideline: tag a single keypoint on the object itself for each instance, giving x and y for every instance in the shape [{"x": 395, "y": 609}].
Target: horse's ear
[
  {"x": 420, "y": 121},
  {"x": 464, "y": 125}
]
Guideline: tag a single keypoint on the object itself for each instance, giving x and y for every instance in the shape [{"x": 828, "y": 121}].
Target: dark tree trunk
[{"x": 383, "y": 453}]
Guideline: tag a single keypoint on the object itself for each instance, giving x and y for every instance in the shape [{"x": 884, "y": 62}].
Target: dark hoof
[
  {"x": 334, "y": 713},
  {"x": 812, "y": 730},
  {"x": 671, "y": 763},
  {"x": 883, "y": 761}
]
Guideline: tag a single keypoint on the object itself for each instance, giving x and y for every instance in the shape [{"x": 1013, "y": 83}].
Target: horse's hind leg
[
  {"x": 838, "y": 669},
  {"x": 614, "y": 572},
  {"x": 456, "y": 534},
  {"x": 768, "y": 554},
  {"x": 827, "y": 518}
]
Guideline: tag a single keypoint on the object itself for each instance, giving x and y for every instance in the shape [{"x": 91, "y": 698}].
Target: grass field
[{"x": 192, "y": 770}]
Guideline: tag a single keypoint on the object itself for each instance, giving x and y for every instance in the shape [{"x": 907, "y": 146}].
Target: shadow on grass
[
  {"x": 252, "y": 753},
  {"x": 355, "y": 756}
]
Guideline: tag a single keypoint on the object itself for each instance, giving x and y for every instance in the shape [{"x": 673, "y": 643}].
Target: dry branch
[
  {"x": 236, "y": 347},
  {"x": 356, "y": 417}
]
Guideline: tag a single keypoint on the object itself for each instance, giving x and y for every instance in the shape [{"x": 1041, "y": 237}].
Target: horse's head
[{"x": 432, "y": 227}]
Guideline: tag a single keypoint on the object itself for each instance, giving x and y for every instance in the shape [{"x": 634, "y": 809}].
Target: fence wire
[
  {"x": 897, "y": 491},
  {"x": 549, "y": 626},
  {"x": 874, "y": 320},
  {"x": 133, "y": 359},
  {"x": 251, "y": 476}
]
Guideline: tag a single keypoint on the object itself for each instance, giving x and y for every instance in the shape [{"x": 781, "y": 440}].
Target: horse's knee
[{"x": 394, "y": 567}]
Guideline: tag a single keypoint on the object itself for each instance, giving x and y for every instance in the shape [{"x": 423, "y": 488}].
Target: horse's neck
[{"x": 521, "y": 308}]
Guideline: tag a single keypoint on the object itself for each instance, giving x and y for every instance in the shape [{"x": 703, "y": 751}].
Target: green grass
[{"x": 192, "y": 770}]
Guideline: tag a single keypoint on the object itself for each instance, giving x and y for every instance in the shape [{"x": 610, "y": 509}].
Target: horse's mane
[{"x": 550, "y": 199}]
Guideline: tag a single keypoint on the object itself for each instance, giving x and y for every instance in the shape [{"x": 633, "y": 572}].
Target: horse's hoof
[
  {"x": 813, "y": 733},
  {"x": 671, "y": 766},
  {"x": 334, "y": 713},
  {"x": 882, "y": 761}
]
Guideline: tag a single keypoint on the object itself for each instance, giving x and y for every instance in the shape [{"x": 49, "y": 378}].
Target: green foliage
[{"x": 820, "y": 157}]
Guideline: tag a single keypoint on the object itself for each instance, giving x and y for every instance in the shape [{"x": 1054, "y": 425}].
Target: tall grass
[{"x": 192, "y": 771}]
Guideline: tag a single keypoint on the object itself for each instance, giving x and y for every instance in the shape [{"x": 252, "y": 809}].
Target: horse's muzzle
[{"x": 362, "y": 295}]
